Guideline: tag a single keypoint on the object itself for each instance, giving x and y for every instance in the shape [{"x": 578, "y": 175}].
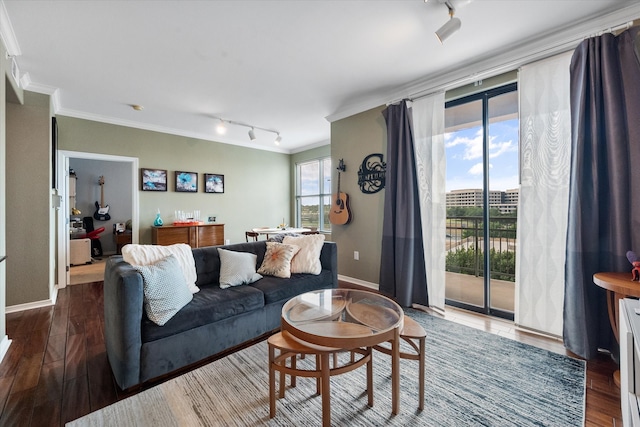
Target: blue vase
[{"x": 158, "y": 221}]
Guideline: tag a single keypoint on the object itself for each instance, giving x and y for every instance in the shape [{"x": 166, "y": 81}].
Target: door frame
[{"x": 63, "y": 215}]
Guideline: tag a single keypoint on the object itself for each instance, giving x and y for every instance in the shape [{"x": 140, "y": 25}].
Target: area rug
[{"x": 473, "y": 378}]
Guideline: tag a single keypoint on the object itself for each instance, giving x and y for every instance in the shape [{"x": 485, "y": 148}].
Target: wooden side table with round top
[{"x": 618, "y": 286}]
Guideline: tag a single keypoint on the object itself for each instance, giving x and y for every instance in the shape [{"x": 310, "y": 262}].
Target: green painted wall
[
  {"x": 352, "y": 139},
  {"x": 257, "y": 185},
  {"x": 29, "y": 214}
]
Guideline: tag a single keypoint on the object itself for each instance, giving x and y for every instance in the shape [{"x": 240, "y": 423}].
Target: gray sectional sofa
[{"x": 214, "y": 321}]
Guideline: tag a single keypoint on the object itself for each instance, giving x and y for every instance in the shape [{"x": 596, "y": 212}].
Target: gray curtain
[
  {"x": 402, "y": 266},
  {"x": 604, "y": 201}
]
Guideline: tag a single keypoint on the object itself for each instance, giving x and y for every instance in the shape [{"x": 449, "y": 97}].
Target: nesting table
[{"x": 328, "y": 321}]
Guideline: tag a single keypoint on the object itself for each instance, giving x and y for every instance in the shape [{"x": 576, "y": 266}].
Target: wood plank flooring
[{"x": 56, "y": 369}]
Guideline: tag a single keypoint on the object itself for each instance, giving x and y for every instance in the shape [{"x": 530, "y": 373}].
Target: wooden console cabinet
[{"x": 196, "y": 236}]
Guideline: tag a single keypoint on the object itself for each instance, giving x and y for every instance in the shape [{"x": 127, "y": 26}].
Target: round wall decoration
[{"x": 371, "y": 175}]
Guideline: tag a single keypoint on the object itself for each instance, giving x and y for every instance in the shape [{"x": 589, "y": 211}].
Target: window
[{"x": 313, "y": 194}]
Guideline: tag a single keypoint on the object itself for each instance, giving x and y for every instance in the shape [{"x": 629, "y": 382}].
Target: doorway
[{"x": 124, "y": 174}]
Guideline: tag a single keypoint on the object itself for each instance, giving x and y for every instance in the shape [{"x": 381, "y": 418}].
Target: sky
[{"x": 464, "y": 157}]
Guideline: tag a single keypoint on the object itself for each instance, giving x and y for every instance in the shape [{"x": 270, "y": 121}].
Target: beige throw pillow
[
  {"x": 277, "y": 260},
  {"x": 307, "y": 260}
]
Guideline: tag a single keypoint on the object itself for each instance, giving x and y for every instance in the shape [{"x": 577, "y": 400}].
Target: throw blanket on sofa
[{"x": 150, "y": 254}]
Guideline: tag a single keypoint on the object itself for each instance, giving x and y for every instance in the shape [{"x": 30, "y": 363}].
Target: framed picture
[
  {"x": 213, "y": 183},
  {"x": 187, "y": 182},
  {"x": 153, "y": 179}
]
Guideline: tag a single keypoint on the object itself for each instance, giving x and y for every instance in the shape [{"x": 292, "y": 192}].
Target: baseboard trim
[
  {"x": 4, "y": 346},
  {"x": 358, "y": 282},
  {"x": 29, "y": 305}
]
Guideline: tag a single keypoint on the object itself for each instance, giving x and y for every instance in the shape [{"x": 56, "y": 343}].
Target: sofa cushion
[
  {"x": 209, "y": 305},
  {"x": 276, "y": 289},
  {"x": 307, "y": 260},
  {"x": 237, "y": 268},
  {"x": 277, "y": 260},
  {"x": 165, "y": 289}
]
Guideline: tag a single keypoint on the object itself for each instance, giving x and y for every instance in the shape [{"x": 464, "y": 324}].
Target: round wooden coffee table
[{"x": 345, "y": 319}]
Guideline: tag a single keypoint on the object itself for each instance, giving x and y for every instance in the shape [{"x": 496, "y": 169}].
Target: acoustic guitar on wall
[
  {"x": 340, "y": 212},
  {"x": 102, "y": 211}
]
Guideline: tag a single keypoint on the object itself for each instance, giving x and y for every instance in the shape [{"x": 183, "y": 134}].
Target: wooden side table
[
  {"x": 618, "y": 286},
  {"x": 121, "y": 239}
]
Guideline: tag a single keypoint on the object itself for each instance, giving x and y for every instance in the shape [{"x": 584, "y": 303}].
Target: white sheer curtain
[
  {"x": 428, "y": 126},
  {"x": 545, "y": 150}
]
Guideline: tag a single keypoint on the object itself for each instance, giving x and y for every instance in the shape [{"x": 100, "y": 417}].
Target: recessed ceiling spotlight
[{"x": 137, "y": 107}]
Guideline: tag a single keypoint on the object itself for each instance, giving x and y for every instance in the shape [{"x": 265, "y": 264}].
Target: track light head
[
  {"x": 252, "y": 134},
  {"x": 221, "y": 128},
  {"x": 450, "y": 27},
  {"x": 278, "y": 139}
]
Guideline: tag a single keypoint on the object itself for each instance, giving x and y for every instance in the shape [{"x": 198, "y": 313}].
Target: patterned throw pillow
[
  {"x": 307, "y": 260},
  {"x": 277, "y": 260},
  {"x": 165, "y": 289},
  {"x": 237, "y": 268}
]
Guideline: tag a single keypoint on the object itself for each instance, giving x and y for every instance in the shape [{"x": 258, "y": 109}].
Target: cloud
[
  {"x": 472, "y": 146},
  {"x": 477, "y": 169}
]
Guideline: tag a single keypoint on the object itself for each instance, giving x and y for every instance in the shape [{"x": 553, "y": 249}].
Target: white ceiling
[{"x": 290, "y": 66}]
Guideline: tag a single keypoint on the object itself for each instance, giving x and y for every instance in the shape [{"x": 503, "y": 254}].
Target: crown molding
[
  {"x": 27, "y": 84},
  {"x": 6, "y": 33},
  {"x": 481, "y": 68},
  {"x": 310, "y": 146},
  {"x": 162, "y": 129}
]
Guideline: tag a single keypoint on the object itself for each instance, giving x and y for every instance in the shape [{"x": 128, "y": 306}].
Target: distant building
[{"x": 504, "y": 201}]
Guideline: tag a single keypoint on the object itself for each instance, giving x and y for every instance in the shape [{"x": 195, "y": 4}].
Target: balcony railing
[{"x": 465, "y": 246}]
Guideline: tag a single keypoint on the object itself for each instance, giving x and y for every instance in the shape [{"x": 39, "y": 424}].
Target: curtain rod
[{"x": 510, "y": 66}]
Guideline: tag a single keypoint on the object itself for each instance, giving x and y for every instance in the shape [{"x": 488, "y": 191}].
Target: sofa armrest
[
  {"x": 329, "y": 260},
  {"x": 123, "y": 311}
]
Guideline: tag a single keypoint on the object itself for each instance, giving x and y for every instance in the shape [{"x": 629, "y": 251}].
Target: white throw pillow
[
  {"x": 139, "y": 255},
  {"x": 165, "y": 290},
  {"x": 237, "y": 268},
  {"x": 307, "y": 260}
]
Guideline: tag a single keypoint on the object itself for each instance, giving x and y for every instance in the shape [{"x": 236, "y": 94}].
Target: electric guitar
[
  {"x": 340, "y": 212},
  {"x": 102, "y": 211}
]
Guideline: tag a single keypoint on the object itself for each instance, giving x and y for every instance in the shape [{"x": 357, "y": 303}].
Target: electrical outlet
[{"x": 356, "y": 255}]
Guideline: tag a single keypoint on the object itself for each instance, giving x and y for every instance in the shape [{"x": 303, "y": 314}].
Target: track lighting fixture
[
  {"x": 451, "y": 26},
  {"x": 221, "y": 128}
]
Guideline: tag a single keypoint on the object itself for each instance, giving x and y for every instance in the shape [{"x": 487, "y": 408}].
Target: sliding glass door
[{"x": 481, "y": 145}]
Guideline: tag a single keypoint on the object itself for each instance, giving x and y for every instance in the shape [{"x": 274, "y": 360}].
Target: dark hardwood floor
[{"x": 56, "y": 369}]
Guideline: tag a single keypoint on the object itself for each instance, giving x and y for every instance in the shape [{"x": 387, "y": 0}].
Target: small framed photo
[
  {"x": 153, "y": 179},
  {"x": 187, "y": 182},
  {"x": 213, "y": 183}
]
